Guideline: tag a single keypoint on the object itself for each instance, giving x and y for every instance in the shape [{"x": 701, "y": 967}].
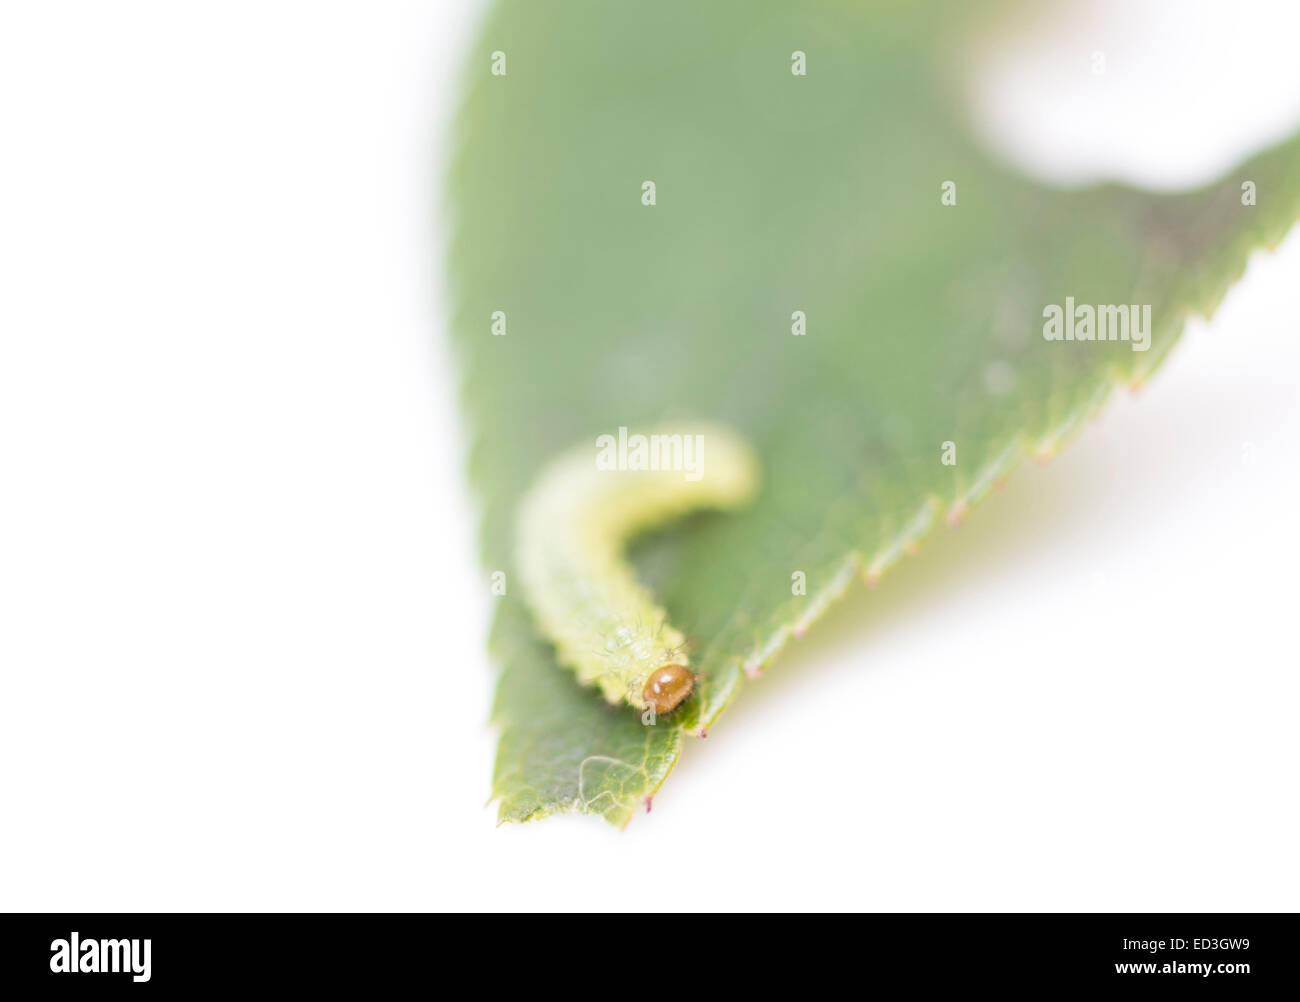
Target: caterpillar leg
[{"x": 573, "y": 527}]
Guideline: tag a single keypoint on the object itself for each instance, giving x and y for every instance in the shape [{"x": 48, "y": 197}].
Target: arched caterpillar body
[{"x": 572, "y": 527}]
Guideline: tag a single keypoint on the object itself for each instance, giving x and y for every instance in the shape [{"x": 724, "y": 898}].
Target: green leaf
[{"x": 775, "y": 193}]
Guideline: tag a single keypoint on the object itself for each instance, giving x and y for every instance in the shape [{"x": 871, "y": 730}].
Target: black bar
[{"x": 702, "y": 954}]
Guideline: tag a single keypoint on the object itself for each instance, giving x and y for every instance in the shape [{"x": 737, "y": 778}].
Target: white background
[{"x": 242, "y": 625}]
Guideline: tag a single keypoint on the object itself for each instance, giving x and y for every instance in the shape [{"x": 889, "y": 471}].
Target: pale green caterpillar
[{"x": 572, "y": 528}]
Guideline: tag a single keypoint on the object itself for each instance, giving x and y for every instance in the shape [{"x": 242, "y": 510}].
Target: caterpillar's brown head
[{"x": 667, "y": 687}]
